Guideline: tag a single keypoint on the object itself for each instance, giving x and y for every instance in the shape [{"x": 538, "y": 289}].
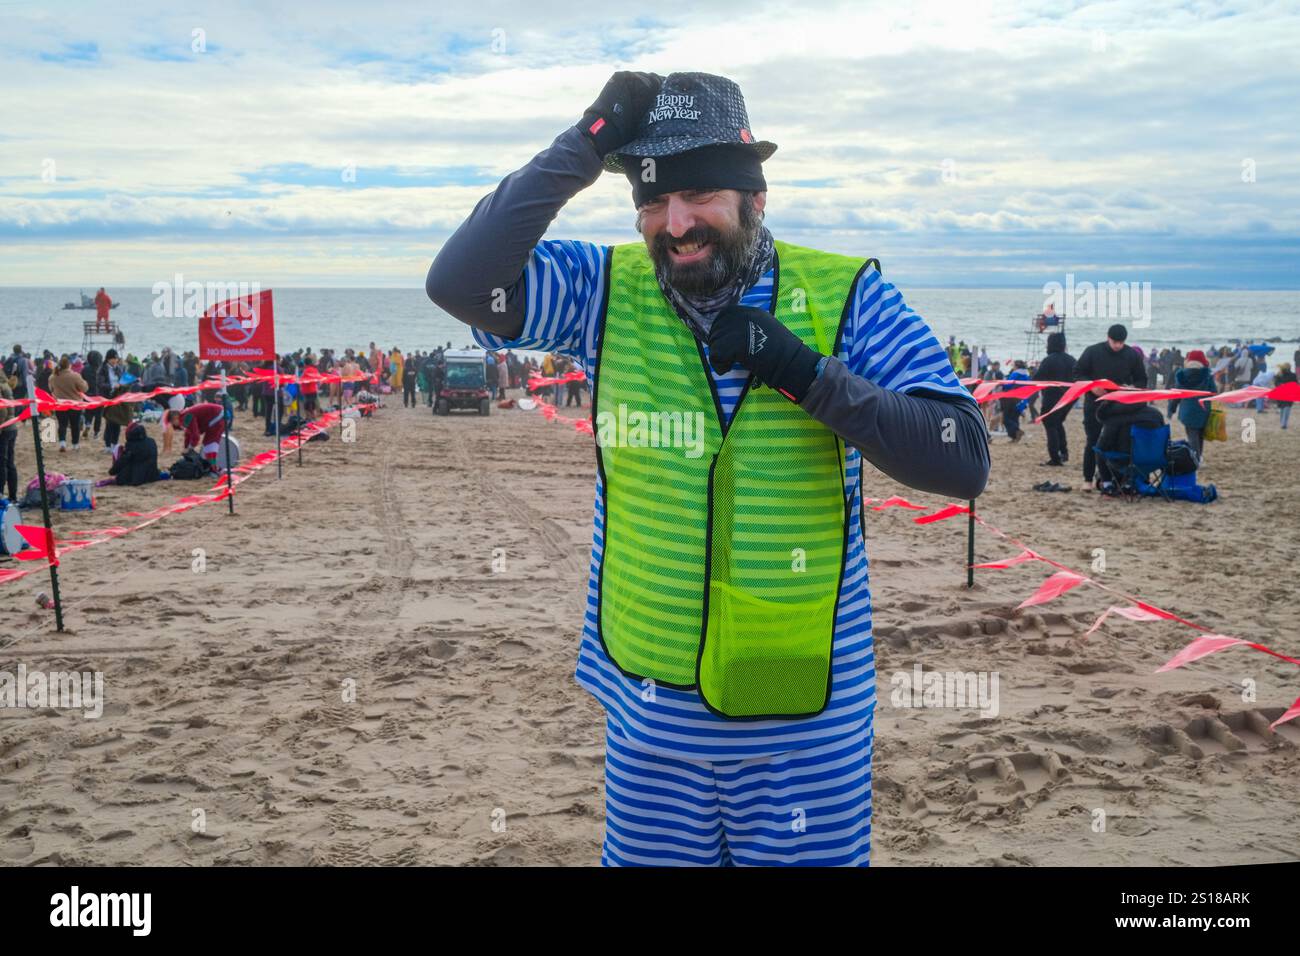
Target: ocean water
[{"x": 341, "y": 318}]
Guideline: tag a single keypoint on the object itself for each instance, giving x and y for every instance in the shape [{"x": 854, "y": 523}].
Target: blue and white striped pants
[{"x": 807, "y": 807}]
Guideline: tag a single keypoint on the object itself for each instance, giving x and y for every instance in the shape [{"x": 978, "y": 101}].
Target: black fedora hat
[{"x": 692, "y": 110}]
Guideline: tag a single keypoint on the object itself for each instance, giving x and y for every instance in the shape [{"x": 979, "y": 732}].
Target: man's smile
[{"x": 686, "y": 252}]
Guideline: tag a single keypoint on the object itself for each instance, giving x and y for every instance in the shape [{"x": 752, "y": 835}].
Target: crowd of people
[
  {"x": 199, "y": 417},
  {"x": 420, "y": 375},
  {"x": 1215, "y": 369}
]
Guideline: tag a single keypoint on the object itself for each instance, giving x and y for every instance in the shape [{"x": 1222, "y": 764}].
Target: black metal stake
[
  {"x": 970, "y": 546},
  {"x": 279, "y": 461},
  {"x": 45, "y": 512},
  {"x": 227, "y": 415}
]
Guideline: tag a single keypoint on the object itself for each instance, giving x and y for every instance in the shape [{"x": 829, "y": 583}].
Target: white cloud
[{"x": 1114, "y": 117}]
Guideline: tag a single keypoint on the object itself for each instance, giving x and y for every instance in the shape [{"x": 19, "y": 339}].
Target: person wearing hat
[
  {"x": 1195, "y": 374},
  {"x": 1112, "y": 360},
  {"x": 728, "y": 623},
  {"x": 204, "y": 426}
]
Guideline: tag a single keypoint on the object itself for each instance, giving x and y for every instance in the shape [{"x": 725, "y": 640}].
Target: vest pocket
[
  {"x": 765, "y": 658},
  {"x": 775, "y": 557}
]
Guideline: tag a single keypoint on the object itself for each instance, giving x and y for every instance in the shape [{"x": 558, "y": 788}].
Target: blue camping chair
[{"x": 1139, "y": 470}]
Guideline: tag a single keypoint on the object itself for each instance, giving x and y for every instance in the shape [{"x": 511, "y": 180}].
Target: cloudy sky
[{"x": 962, "y": 142}]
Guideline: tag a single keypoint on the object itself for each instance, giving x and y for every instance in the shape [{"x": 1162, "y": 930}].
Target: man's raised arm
[{"x": 478, "y": 275}]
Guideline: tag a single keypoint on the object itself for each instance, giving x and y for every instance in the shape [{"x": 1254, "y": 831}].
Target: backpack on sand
[{"x": 189, "y": 466}]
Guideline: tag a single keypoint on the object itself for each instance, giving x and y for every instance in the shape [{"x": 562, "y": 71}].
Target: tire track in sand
[{"x": 550, "y": 531}]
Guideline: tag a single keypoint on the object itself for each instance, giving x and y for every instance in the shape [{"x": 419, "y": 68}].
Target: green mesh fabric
[{"x": 756, "y": 522}]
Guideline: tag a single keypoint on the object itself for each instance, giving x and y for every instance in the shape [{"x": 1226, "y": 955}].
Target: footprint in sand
[
  {"x": 17, "y": 845},
  {"x": 1002, "y": 779},
  {"x": 513, "y": 649},
  {"x": 1237, "y": 735},
  {"x": 443, "y": 650},
  {"x": 510, "y": 855}
]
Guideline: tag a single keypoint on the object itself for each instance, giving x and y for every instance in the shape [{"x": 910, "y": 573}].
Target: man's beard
[{"x": 727, "y": 258}]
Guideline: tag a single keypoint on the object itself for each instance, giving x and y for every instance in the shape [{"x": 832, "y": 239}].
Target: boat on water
[{"x": 87, "y": 302}]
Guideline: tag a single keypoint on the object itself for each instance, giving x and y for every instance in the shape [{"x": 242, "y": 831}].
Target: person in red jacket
[
  {"x": 102, "y": 304},
  {"x": 204, "y": 426}
]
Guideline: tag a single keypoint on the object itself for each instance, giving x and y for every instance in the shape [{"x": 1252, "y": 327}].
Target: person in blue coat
[
  {"x": 1012, "y": 407},
  {"x": 1193, "y": 414}
]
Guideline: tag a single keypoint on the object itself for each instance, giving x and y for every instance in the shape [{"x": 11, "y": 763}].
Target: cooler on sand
[{"x": 77, "y": 494}]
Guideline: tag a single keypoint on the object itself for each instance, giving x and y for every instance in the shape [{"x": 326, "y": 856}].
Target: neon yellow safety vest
[{"x": 723, "y": 548}]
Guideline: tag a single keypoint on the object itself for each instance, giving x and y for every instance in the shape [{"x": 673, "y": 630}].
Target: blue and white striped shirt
[{"x": 883, "y": 341}]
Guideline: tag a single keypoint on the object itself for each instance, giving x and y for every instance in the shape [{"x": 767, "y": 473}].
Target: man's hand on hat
[
  {"x": 612, "y": 120},
  {"x": 742, "y": 335}
]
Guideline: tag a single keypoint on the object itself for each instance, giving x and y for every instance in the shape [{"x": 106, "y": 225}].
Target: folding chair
[
  {"x": 1149, "y": 452},
  {"x": 1146, "y": 457}
]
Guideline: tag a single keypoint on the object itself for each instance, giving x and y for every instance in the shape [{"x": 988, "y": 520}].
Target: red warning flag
[
  {"x": 1021, "y": 558},
  {"x": 239, "y": 329},
  {"x": 943, "y": 514},
  {"x": 1073, "y": 392},
  {"x": 22, "y": 416},
  {"x": 1052, "y": 588},
  {"x": 1291, "y": 714},
  {"x": 1286, "y": 392},
  {"x": 1203, "y": 646},
  {"x": 1133, "y": 613},
  {"x": 1152, "y": 395},
  {"x": 41, "y": 540},
  {"x": 893, "y": 501}
]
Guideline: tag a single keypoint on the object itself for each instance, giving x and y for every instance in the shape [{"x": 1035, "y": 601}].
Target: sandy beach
[{"x": 435, "y": 569}]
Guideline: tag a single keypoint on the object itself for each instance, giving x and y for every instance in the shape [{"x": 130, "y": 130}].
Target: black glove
[
  {"x": 611, "y": 121},
  {"x": 755, "y": 339}
]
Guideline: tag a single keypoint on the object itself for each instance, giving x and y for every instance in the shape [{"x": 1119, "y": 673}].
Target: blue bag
[{"x": 1185, "y": 488}]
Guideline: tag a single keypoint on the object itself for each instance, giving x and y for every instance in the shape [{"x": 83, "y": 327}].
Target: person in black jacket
[
  {"x": 94, "y": 418},
  {"x": 108, "y": 375},
  {"x": 1117, "y": 421},
  {"x": 1112, "y": 360},
  {"x": 137, "y": 464},
  {"x": 1058, "y": 366}
]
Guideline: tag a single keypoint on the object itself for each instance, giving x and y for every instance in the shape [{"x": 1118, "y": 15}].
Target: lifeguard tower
[
  {"x": 1044, "y": 323},
  {"x": 94, "y": 336}
]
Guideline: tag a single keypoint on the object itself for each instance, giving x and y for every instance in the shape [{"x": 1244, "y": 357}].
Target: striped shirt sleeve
[
  {"x": 891, "y": 345},
  {"x": 564, "y": 286}
]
